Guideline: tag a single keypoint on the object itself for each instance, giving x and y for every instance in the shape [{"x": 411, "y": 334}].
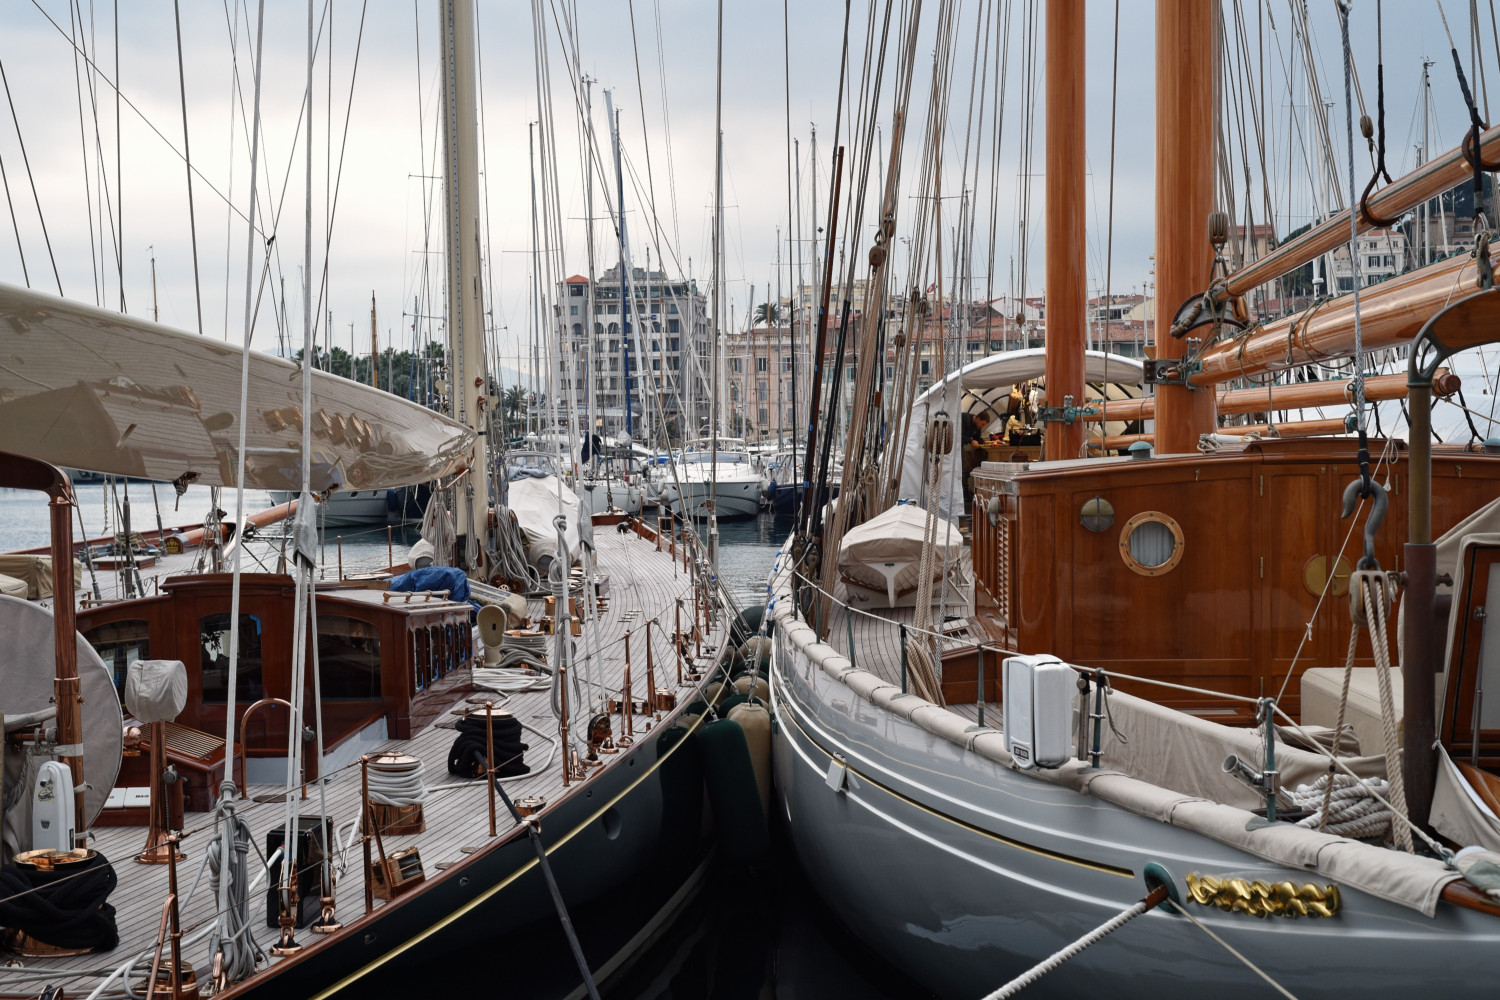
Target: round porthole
[
  {"x": 1097, "y": 515},
  {"x": 1151, "y": 543}
]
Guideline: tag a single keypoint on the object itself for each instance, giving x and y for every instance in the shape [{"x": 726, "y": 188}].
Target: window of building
[
  {"x": 1372, "y": 261},
  {"x": 672, "y": 363},
  {"x": 672, "y": 308},
  {"x": 761, "y": 392},
  {"x": 349, "y": 658},
  {"x": 673, "y": 326},
  {"x": 214, "y": 634},
  {"x": 575, "y": 290},
  {"x": 656, "y": 345},
  {"x": 737, "y": 365},
  {"x": 656, "y": 364},
  {"x": 614, "y": 364},
  {"x": 763, "y": 417},
  {"x": 674, "y": 343},
  {"x": 611, "y": 309},
  {"x": 119, "y": 644},
  {"x": 614, "y": 345},
  {"x": 1390, "y": 260},
  {"x": 572, "y": 310},
  {"x": 614, "y": 382},
  {"x": 734, "y": 392},
  {"x": 849, "y": 372},
  {"x": 890, "y": 372},
  {"x": 926, "y": 367},
  {"x": 762, "y": 364},
  {"x": 577, "y": 333},
  {"x": 1345, "y": 285}
]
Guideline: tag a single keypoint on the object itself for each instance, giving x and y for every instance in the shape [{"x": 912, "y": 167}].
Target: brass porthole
[{"x": 1151, "y": 543}]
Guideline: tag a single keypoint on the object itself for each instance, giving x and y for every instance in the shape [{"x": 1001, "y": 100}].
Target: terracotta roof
[{"x": 577, "y": 279}]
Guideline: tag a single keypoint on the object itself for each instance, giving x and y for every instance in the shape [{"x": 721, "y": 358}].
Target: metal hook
[{"x": 1379, "y": 500}]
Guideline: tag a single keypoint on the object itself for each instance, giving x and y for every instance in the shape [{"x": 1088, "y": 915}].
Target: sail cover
[
  {"x": 90, "y": 389},
  {"x": 886, "y": 551},
  {"x": 983, "y": 384},
  {"x": 535, "y": 504}
]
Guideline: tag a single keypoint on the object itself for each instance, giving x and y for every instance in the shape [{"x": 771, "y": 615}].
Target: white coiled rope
[
  {"x": 397, "y": 783},
  {"x": 1351, "y": 811}
]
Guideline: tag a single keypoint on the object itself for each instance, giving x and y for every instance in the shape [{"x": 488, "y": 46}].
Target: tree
[{"x": 767, "y": 313}]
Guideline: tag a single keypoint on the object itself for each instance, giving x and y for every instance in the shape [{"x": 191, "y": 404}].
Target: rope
[
  {"x": 392, "y": 787},
  {"x": 1375, "y": 609},
  {"x": 1343, "y": 806},
  {"x": 1025, "y": 979},
  {"x": 1229, "y": 948},
  {"x": 1338, "y": 729}
]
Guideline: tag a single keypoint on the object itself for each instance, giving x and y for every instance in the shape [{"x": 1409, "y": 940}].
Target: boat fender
[
  {"x": 756, "y": 651},
  {"x": 747, "y": 624},
  {"x": 754, "y": 686},
  {"x": 755, "y": 720},
  {"x": 733, "y": 791},
  {"x": 715, "y": 690},
  {"x": 733, "y": 700}
]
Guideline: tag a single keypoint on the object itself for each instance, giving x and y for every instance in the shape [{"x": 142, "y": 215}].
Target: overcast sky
[{"x": 386, "y": 213}]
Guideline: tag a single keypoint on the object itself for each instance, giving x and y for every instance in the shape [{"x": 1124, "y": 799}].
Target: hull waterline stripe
[
  {"x": 1008, "y": 841},
  {"x": 484, "y": 896}
]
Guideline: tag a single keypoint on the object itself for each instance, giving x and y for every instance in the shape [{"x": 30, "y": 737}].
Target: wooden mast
[
  {"x": 1067, "y": 289},
  {"x": 1186, "y": 68}
]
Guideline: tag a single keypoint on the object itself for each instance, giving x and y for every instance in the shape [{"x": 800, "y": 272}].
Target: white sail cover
[
  {"x": 975, "y": 387},
  {"x": 896, "y": 536},
  {"x": 534, "y": 502},
  {"x": 90, "y": 389}
]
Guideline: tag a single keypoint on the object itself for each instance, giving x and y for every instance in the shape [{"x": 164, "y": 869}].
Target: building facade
[{"x": 659, "y": 370}]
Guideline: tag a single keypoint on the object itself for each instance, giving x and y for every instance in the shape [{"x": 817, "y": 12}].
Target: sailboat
[
  {"x": 1116, "y": 732},
  {"x": 335, "y": 837}
]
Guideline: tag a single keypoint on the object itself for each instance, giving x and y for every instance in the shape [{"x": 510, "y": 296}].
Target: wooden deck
[{"x": 644, "y": 584}]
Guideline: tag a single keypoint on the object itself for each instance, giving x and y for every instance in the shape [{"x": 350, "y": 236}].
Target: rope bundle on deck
[
  {"x": 65, "y": 907},
  {"x": 466, "y": 758}
]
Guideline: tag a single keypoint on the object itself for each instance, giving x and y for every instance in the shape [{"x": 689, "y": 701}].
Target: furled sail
[{"x": 91, "y": 389}]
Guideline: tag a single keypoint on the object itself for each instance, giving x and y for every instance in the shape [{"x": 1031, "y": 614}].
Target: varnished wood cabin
[{"x": 1202, "y": 569}]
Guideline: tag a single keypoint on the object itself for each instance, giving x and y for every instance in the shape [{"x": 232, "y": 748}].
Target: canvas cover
[
  {"x": 156, "y": 690},
  {"x": 896, "y": 535},
  {"x": 36, "y": 572},
  {"x": 29, "y": 668},
  {"x": 535, "y": 504},
  {"x": 1458, "y": 813}
]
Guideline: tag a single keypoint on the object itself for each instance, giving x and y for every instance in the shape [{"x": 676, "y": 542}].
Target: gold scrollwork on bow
[{"x": 1263, "y": 899}]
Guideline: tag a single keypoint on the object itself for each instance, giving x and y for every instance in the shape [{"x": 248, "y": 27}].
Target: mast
[
  {"x": 1067, "y": 289},
  {"x": 374, "y": 345},
  {"x": 465, "y": 301},
  {"x": 1185, "y": 89},
  {"x": 586, "y": 352},
  {"x": 614, "y": 135}
]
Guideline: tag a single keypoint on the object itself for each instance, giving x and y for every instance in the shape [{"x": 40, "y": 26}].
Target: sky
[{"x": 386, "y": 220}]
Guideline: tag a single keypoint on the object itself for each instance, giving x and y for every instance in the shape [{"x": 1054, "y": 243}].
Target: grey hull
[{"x": 963, "y": 873}]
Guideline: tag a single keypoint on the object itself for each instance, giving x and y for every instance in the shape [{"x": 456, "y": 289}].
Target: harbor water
[{"x": 758, "y": 933}]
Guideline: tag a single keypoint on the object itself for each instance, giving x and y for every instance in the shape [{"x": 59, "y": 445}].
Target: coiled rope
[{"x": 396, "y": 782}]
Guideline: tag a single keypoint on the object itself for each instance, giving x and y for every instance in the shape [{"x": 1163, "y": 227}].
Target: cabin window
[
  {"x": 418, "y": 658},
  {"x": 348, "y": 658},
  {"x": 1151, "y": 543},
  {"x": 119, "y": 644},
  {"x": 214, "y": 634}
]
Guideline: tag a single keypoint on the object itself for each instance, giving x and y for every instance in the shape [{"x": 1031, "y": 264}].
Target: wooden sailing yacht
[
  {"x": 340, "y": 705},
  {"x": 1111, "y": 727}
]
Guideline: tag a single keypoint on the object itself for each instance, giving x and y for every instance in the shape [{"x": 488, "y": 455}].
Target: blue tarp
[{"x": 449, "y": 578}]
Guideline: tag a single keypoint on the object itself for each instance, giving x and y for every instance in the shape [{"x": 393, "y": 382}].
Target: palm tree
[{"x": 767, "y": 313}]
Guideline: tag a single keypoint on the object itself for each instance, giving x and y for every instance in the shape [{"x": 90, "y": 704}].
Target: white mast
[{"x": 465, "y": 297}]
